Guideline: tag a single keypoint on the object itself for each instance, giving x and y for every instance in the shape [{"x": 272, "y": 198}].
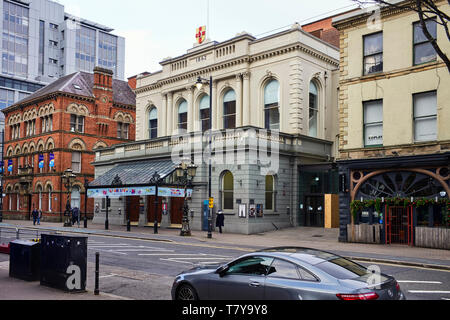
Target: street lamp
[
  {"x": 199, "y": 84},
  {"x": 156, "y": 181},
  {"x": 185, "y": 174},
  {"x": 68, "y": 178}
]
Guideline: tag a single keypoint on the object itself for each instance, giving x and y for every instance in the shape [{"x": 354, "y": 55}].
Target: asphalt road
[
  {"x": 145, "y": 269},
  {"x": 150, "y": 260}
]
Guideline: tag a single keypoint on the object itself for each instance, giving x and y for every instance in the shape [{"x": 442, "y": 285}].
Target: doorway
[
  {"x": 314, "y": 211},
  {"x": 176, "y": 210},
  {"x": 133, "y": 207},
  {"x": 399, "y": 226}
]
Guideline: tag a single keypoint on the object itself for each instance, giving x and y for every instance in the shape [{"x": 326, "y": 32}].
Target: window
[
  {"x": 122, "y": 130},
  {"x": 50, "y": 199},
  {"x": 75, "y": 197},
  {"x": 313, "y": 109},
  {"x": 269, "y": 193},
  {"x": 258, "y": 266},
  {"x": 52, "y": 61},
  {"x": 153, "y": 123},
  {"x": 373, "y": 123},
  {"x": 271, "y": 105},
  {"x": 76, "y": 123},
  {"x": 53, "y": 26},
  {"x": 76, "y": 161},
  {"x": 425, "y": 117},
  {"x": 47, "y": 123},
  {"x": 423, "y": 50},
  {"x": 182, "y": 115},
  {"x": 204, "y": 113},
  {"x": 228, "y": 190},
  {"x": 373, "y": 53},
  {"x": 39, "y": 190},
  {"x": 229, "y": 110},
  {"x": 342, "y": 268},
  {"x": 283, "y": 269}
]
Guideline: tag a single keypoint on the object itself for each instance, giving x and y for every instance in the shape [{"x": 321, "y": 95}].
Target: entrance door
[
  {"x": 176, "y": 210},
  {"x": 133, "y": 208},
  {"x": 314, "y": 211},
  {"x": 399, "y": 225},
  {"x": 151, "y": 209}
]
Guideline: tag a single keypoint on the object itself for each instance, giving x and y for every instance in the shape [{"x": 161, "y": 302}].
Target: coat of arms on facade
[{"x": 201, "y": 34}]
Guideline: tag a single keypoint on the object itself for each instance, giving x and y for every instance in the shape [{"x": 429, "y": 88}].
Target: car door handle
[{"x": 254, "y": 284}]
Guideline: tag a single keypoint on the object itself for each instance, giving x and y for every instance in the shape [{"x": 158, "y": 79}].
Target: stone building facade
[
  {"x": 274, "y": 111},
  {"x": 394, "y": 139},
  {"x": 59, "y": 127}
]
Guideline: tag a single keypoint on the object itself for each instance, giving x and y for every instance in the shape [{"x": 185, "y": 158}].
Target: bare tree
[{"x": 425, "y": 9}]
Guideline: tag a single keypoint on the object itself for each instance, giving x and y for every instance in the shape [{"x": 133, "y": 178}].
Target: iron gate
[{"x": 399, "y": 225}]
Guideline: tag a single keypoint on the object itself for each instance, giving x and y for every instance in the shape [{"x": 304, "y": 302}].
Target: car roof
[{"x": 307, "y": 255}]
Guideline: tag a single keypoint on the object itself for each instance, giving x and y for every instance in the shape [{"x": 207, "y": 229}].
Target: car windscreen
[{"x": 342, "y": 268}]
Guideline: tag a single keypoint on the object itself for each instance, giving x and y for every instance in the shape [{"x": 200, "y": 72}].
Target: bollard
[
  {"x": 17, "y": 233},
  {"x": 97, "y": 260}
]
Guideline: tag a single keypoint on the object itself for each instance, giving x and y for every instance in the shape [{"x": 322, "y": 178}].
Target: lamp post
[
  {"x": 199, "y": 84},
  {"x": 68, "y": 178},
  {"x": 86, "y": 186},
  {"x": 185, "y": 174},
  {"x": 156, "y": 181}
]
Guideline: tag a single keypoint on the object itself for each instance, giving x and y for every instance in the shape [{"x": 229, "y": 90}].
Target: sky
[{"x": 157, "y": 29}]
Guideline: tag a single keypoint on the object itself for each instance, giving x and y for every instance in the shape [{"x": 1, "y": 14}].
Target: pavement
[{"x": 318, "y": 238}]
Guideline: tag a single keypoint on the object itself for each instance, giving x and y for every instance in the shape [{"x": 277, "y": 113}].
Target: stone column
[
  {"x": 169, "y": 114},
  {"x": 163, "y": 115},
  {"x": 238, "y": 101},
  {"x": 191, "y": 117},
  {"x": 215, "y": 116},
  {"x": 246, "y": 121}
]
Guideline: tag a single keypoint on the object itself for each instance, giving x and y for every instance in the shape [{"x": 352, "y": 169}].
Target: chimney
[
  {"x": 103, "y": 79},
  {"x": 103, "y": 90}
]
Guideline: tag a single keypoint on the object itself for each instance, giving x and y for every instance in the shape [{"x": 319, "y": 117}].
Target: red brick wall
[{"x": 99, "y": 125}]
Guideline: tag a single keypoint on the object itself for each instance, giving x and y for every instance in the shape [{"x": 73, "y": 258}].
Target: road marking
[
  {"x": 446, "y": 299},
  {"x": 108, "y": 276},
  {"x": 424, "y": 282},
  {"x": 184, "y": 254},
  {"x": 428, "y": 291},
  {"x": 152, "y": 250}
]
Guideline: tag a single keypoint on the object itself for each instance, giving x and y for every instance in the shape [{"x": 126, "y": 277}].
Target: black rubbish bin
[
  {"x": 24, "y": 260},
  {"x": 64, "y": 262}
]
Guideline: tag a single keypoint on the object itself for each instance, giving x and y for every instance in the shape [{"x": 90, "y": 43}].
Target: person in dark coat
[
  {"x": 220, "y": 220},
  {"x": 35, "y": 215},
  {"x": 76, "y": 216}
]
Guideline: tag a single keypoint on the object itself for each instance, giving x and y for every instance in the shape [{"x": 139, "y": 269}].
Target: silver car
[{"x": 286, "y": 273}]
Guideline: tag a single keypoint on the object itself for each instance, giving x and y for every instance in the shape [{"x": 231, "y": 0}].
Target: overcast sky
[{"x": 156, "y": 29}]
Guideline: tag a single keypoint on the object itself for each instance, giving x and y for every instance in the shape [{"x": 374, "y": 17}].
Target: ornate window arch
[
  {"x": 227, "y": 190},
  {"x": 272, "y": 104},
  {"x": 77, "y": 144},
  {"x": 99, "y": 144},
  {"x": 152, "y": 122},
  {"x": 229, "y": 109},
  {"x": 313, "y": 111}
]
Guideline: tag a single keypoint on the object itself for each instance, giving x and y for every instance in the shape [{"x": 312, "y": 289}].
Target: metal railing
[{"x": 10, "y": 234}]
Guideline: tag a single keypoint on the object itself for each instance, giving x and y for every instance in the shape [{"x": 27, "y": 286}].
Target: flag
[
  {"x": 52, "y": 160},
  {"x": 10, "y": 165},
  {"x": 41, "y": 161},
  {"x": 201, "y": 34}
]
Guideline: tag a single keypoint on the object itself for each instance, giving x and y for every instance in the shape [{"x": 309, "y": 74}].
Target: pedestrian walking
[
  {"x": 35, "y": 215},
  {"x": 76, "y": 216},
  {"x": 220, "y": 220},
  {"x": 39, "y": 217}
]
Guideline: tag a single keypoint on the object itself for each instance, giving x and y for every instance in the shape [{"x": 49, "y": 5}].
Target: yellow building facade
[{"x": 394, "y": 133}]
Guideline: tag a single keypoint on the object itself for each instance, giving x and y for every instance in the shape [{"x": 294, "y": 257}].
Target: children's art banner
[{"x": 137, "y": 191}]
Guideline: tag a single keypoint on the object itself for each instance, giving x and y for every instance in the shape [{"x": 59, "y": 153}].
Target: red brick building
[{"x": 64, "y": 122}]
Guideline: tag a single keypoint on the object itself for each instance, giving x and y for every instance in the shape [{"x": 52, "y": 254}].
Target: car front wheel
[{"x": 186, "y": 292}]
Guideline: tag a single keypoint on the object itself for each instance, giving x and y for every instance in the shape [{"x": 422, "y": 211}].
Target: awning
[
  {"x": 135, "y": 177},
  {"x": 135, "y": 173}
]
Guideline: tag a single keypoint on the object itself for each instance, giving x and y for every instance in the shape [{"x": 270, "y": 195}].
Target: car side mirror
[{"x": 222, "y": 270}]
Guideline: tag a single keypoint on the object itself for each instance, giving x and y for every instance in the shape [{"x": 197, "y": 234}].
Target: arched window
[
  {"x": 204, "y": 113},
  {"x": 75, "y": 197},
  {"x": 49, "y": 198},
  {"x": 313, "y": 109},
  {"x": 153, "y": 123},
  {"x": 182, "y": 115},
  {"x": 271, "y": 105},
  {"x": 39, "y": 190},
  {"x": 270, "y": 188},
  {"x": 229, "y": 110},
  {"x": 227, "y": 191}
]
